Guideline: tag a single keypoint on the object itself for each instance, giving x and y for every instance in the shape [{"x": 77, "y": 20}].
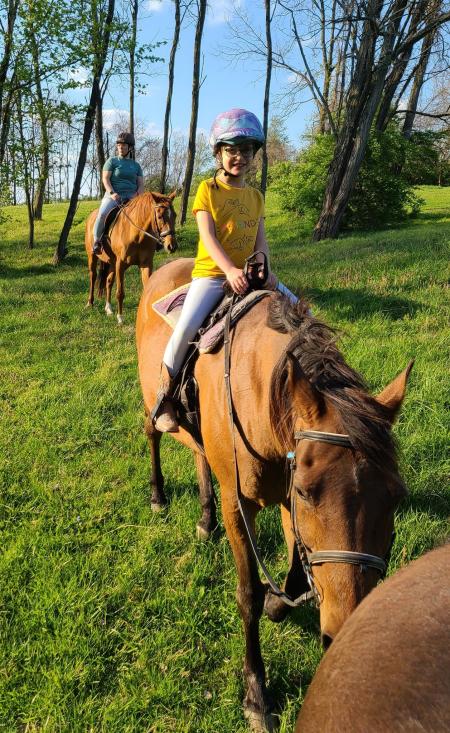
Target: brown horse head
[
  {"x": 344, "y": 495},
  {"x": 164, "y": 220}
]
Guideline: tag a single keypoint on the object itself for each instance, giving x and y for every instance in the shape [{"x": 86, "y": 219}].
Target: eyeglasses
[{"x": 246, "y": 151}]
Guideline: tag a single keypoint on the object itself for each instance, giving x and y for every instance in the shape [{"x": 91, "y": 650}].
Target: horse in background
[
  {"x": 388, "y": 670},
  {"x": 144, "y": 224},
  {"x": 292, "y": 394}
]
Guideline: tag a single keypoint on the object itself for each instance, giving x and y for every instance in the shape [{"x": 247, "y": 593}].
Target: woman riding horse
[{"x": 123, "y": 179}]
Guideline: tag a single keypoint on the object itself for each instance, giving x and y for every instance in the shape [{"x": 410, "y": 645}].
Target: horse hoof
[
  {"x": 89, "y": 305},
  {"x": 260, "y": 722},
  {"x": 202, "y": 533},
  {"x": 119, "y": 319},
  {"x": 108, "y": 310},
  {"x": 157, "y": 506}
]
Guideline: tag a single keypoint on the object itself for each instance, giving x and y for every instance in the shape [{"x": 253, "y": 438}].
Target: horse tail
[{"x": 102, "y": 275}]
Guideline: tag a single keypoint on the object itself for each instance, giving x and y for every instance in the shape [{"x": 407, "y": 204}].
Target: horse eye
[{"x": 302, "y": 493}]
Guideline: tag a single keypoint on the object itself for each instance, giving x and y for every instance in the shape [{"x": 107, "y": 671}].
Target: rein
[
  {"x": 308, "y": 559},
  {"x": 158, "y": 239}
]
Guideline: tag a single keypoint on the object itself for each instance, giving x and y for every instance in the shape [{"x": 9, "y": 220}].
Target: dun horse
[
  {"x": 146, "y": 222},
  {"x": 389, "y": 667},
  {"x": 292, "y": 392}
]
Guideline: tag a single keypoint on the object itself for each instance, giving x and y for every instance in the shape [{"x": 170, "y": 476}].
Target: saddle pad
[{"x": 170, "y": 305}]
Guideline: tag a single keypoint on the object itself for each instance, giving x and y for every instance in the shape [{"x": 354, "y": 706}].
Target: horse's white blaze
[{"x": 108, "y": 310}]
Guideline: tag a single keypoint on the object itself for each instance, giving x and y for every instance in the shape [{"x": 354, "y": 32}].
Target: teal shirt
[{"x": 124, "y": 175}]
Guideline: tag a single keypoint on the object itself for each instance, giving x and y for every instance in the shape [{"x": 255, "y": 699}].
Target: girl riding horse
[{"x": 230, "y": 220}]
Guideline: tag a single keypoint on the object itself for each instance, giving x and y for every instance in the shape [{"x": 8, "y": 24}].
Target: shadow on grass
[
  {"x": 433, "y": 504},
  {"x": 359, "y": 304},
  {"x": 47, "y": 268}
]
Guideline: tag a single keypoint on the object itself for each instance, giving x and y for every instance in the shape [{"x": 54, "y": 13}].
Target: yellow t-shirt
[{"x": 236, "y": 213}]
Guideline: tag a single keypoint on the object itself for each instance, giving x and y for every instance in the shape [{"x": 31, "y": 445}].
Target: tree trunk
[
  {"x": 61, "y": 249},
  {"x": 173, "y": 51},
  {"x": 99, "y": 142},
  {"x": 417, "y": 84},
  {"x": 26, "y": 175},
  {"x": 41, "y": 183},
  {"x": 134, "y": 17},
  {"x": 201, "y": 4},
  {"x": 5, "y": 107},
  {"x": 362, "y": 103},
  {"x": 265, "y": 161},
  {"x": 396, "y": 75}
]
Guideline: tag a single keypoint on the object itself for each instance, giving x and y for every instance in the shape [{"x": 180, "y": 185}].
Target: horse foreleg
[
  {"x": 145, "y": 274},
  {"x": 208, "y": 522},
  {"x": 158, "y": 499},
  {"x": 109, "y": 284},
  {"x": 92, "y": 266},
  {"x": 250, "y": 599},
  {"x": 295, "y": 583},
  {"x": 120, "y": 289}
]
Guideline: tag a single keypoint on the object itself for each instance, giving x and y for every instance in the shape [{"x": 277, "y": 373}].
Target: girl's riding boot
[{"x": 163, "y": 414}]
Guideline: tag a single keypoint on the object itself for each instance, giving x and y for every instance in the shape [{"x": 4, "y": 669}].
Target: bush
[
  {"x": 427, "y": 158},
  {"x": 381, "y": 195}
]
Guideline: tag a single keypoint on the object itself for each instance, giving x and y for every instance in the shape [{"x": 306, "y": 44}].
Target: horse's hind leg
[
  {"x": 295, "y": 582},
  {"x": 158, "y": 500},
  {"x": 120, "y": 289},
  {"x": 208, "y": 522}
]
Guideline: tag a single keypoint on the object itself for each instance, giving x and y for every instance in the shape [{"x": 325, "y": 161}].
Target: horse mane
[
  {"x": 141, "y": 205},
  {"x": 313, "y": 350}
]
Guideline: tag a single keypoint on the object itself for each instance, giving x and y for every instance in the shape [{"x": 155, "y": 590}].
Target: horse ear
[
  {"x": 306, "y": 400},
  {"x": 392, "y": 396},
  {"x": 172, "y": 195}
]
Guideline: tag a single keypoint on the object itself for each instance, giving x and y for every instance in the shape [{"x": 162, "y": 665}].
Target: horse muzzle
[{"x": 169, "y": 241}]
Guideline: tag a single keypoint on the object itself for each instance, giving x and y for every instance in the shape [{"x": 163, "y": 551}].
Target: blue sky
[{"x": 225, "y": 86}]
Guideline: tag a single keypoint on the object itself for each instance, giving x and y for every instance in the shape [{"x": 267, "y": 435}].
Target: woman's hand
[
  {"x": 237, "y": 280},
  {"x": 116, "y": 197}
]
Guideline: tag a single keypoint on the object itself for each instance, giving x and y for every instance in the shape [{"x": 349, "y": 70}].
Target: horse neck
[{"x": 257, "y": 349}]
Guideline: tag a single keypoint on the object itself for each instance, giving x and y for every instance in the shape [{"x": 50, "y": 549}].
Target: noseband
[{"x": 308, "y": 559}]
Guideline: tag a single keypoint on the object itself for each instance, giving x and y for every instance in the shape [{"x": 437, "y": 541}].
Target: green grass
[{"x": 117, "y": 620}]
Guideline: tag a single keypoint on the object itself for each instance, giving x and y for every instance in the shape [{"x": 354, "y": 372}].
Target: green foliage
[
  {"x": 381, "y": 194},
  {"x": 114, "y": 619},
  {"x": 427, "y": 158}
]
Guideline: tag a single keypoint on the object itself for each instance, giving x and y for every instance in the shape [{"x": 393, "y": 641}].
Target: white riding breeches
[{"x": 203, "y": 295}]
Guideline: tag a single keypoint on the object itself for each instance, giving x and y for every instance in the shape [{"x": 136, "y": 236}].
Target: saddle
[{"x": 210, "y": 337}]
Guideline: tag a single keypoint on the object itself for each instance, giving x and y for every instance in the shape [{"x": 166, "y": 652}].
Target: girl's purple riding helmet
[{"x": 236, "y": 126}]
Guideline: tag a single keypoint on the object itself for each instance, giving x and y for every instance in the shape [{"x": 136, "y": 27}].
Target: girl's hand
[
  {"x": 116, "y": 197},
  {"x": 237, "y": 280}
]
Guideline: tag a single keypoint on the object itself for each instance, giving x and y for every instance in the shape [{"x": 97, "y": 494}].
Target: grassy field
[{"x": 116, "y": 620}]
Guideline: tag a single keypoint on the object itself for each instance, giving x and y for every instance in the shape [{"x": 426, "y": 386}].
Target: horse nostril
[{"x": 326, "y": 641}]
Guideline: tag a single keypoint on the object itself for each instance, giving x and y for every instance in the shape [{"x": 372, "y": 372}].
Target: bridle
[
  {"x": 320, "y": 557},
  {"x": 308, "y": 559},
  {"x": 161, "y": 235}
]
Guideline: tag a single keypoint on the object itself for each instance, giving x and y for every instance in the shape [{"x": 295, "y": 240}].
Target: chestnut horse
[
  {"x": 146, "y": 222},
  {"x": 388, "y": 670},
  {"x": 291, "y": 391}
]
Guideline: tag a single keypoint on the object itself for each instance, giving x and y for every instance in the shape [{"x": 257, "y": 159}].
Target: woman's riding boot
[
  {"x": 163, "y": 414},
  {"x": 97, "y": 247}
]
